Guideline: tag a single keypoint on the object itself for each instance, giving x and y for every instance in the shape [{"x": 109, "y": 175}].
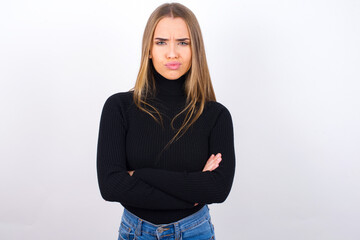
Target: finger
[
  {"x": 214, "y": 166},
  {"x": 213, "y": 159},
  {"x": 217, "y": 163},
  {"x": 216, "y": 160}
]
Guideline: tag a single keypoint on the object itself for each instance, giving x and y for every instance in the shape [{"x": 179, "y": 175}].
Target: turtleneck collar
[
  {"x": 169, "y": 88},
  {"x": 170, "y": 91}
]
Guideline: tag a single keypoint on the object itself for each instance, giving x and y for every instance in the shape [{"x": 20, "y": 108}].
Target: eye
[
  {"x": 160, "y": 43},
  {"x": 183, "y": 43}
]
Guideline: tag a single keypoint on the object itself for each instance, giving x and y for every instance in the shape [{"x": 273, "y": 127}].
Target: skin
[{"x": 171, "y": 43}]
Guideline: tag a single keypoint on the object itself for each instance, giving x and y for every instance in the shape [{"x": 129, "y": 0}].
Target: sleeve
[
  {"x": 201, "y": 187},
  {"x": 115, "y": 184}
]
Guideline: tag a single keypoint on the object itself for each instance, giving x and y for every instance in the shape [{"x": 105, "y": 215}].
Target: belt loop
[
  {"x": 177, "y": 231},
  {"x": 138, "y": 228}
]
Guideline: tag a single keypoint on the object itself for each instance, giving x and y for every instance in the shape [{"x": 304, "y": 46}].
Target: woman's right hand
[{"x": 211, "y": 164}]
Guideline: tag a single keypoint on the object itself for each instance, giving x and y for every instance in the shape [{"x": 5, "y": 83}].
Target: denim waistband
[{"x": 141, "y": 225}]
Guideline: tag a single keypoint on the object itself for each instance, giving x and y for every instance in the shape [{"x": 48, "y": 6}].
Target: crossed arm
[
  {"x": 166, "y": 190},
  {"x": 211, "y": 164},
  {"x": 213, "y": 184}
]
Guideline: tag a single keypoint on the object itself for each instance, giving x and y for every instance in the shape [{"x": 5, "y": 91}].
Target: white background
[{"x": 288, "y": 71}]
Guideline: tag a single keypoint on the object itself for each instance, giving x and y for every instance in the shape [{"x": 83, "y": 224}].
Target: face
[{"x": 170, "y": 50}]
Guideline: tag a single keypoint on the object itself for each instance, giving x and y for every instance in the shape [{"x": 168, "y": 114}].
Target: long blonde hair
[{"x": 198, "y": 86}]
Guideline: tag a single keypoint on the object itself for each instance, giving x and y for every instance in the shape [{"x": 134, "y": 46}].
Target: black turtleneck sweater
[{"x": 164, "y": 187}]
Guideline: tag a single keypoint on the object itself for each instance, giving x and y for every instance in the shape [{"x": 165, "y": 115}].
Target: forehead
[{"x": 171, "y": 27}]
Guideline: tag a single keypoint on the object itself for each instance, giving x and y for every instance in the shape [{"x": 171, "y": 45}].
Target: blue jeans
[{"x": 194, "y": 227}]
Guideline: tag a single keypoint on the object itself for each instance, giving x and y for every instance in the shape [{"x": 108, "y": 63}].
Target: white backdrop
[{"x": 288, "y": 71}]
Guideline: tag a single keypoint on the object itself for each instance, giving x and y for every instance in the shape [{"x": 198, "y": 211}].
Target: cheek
[
  {"x": 187, "y": 56},
  {"x": 156, "y": 60},
  {"x": 156, "y": 53}
]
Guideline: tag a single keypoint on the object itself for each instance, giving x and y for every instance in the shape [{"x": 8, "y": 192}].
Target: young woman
[{"x": 166, "y": 147}]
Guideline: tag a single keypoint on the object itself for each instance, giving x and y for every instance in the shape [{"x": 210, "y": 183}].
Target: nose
[{"x": 172, "y": 52}]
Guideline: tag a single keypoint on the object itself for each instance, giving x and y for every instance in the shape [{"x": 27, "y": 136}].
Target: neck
[{"x": 170, "y": 90}]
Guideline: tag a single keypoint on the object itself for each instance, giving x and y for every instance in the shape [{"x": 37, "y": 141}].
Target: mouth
[{"x": 173, "y": 65}]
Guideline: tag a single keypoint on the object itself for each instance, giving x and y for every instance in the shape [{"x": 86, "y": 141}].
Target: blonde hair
[{"x": 198, "y": 86}]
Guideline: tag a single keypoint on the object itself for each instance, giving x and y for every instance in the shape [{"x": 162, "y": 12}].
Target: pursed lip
[{"x": 172, "y": 64}]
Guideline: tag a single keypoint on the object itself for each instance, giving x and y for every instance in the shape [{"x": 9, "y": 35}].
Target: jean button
[{"x": 160, "y": 229}]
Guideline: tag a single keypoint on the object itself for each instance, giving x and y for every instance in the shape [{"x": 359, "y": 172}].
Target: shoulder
[
  {"x": 116, "y": 107},
  {"x": 118, "y": 103},
  {"x": 120, "y": 98},
  {"x": 217, "y": 113},
  {"x": 217, "y": 108}
]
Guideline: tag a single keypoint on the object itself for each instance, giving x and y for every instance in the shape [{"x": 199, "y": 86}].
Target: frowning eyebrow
[{"x": 179, "y": 39}]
